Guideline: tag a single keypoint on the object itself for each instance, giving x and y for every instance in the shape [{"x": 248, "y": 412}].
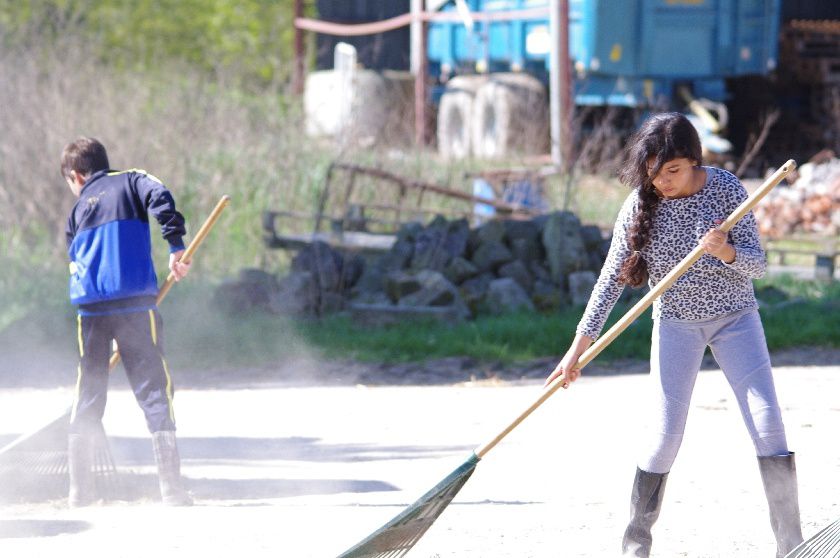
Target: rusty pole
[
  {"x": 419, "y": 65},
  {"x": 567, "y": 98},
  {"x": 300, "y": 52}
]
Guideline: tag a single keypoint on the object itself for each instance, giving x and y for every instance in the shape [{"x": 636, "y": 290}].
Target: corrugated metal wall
[{"x": 383, "y": 51}]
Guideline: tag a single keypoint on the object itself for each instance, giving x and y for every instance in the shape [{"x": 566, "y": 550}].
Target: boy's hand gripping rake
[
  {"x": 186, "y": 257},
  {"x": 43, "y": 452},
  {"x": 398, "y": 536}
]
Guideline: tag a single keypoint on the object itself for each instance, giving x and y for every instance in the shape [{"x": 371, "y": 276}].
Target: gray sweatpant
[{"x": 738, "y": 345}]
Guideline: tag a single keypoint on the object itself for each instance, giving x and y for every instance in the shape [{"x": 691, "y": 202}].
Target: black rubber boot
[
  {"x": 645, "y": 503},
  {"x": 168, "y": 461},
  {"x": 778, "y": 473},
  {"x": 80, "y": 465}
]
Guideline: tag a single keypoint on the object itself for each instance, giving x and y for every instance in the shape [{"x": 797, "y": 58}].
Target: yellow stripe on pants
[
  {"x": 153, "y": 328},
  {"x": 79, "y": 371}
]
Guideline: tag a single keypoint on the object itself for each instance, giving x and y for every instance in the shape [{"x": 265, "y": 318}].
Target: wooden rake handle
[
  {"x": 642, "y": 305},
  {"x": 186, "y": 257}
]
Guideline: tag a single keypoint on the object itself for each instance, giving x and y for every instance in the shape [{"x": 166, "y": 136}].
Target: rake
[
  {"x": 825, "y": 544},
  {"x": 37, "y": 462},
  {"x": 398, "y": 536}
]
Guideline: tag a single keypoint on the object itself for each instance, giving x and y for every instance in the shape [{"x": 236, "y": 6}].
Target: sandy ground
[{"x": 308, "y": 471}]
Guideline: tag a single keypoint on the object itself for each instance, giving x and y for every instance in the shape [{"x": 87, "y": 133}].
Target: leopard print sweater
[{"x": 710, "y": 288}]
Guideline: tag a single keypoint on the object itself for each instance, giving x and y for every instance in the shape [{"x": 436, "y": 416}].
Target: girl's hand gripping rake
[{"x": 398, "y": 536}]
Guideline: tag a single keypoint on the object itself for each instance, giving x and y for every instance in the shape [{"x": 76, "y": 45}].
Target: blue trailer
[{"x": 628, "y": 53}]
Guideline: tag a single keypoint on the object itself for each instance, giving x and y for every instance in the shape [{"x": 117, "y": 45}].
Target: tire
[
  {"x": 510, "y": 115},
  {"x": 454, "y": 130}
]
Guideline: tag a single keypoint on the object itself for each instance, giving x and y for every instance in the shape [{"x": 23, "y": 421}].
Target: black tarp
[{"x": 381, "y": 51}]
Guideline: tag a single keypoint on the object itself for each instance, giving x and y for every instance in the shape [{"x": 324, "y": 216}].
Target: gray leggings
[{"x": 738, "y": 345}]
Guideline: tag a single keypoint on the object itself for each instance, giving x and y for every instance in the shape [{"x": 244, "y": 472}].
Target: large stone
[
  {"x": 521, "y": 230},
  {"x": 297, "y": 294},
  {"x": 474, "y": 290},
  {"x": 372, "y": 280},
  {"x": 371, "y": 297},
  {"x": 434, "y": 290},
  {"x": 591, "y": 235},
  {"x": 352, "y": 270},
  {"x": 399, "y": 256},
  {"x": 540, "y": 272},
  {"x": 548, "y": 297},
  {"x": 505, "y": 295},
  {"x": 526, "y": 249},
  {"x": 581, "y": 284},
  {"x": 399, "y": 284},
  {"x": 517, "y": 271},
  {"x": 490, "y": 255},
  {"x": 563, "y": 245},
  {"x": 491, "y": 231},
  {"x": 409, "y": 232},
  {"x": 457, "y": 238},
  {"x": 459, "y": 270},
  {"x": 324, "y": 263},
  {"x": 429, "y": 251}
]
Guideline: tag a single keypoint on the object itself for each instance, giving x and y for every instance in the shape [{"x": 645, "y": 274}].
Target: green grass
[
  {"x": 803, "y": 313},
  {"x": 199, "y": 335},
  {"x": 509, "y": 338}
]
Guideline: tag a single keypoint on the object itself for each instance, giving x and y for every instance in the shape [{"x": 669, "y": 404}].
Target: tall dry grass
[{"x": 201, "y": 137}]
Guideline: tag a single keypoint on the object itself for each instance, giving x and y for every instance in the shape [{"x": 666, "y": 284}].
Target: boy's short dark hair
[{"x": 85, "y": 156}]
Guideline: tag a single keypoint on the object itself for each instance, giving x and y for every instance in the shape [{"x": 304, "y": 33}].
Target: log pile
[{"x": 809, "y": 204}]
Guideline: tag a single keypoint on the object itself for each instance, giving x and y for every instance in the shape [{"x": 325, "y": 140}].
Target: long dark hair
[{"x": 665, "y": 136}]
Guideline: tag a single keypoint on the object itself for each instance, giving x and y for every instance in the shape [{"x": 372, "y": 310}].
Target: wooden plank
[{"x": 350, "y": 241}]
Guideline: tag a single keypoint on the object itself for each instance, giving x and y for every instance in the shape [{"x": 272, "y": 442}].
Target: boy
[{"x": 114, "y": 285}]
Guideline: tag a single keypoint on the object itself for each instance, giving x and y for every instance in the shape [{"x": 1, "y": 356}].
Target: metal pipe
[
  {"x": 560, "y": 82},
  {"x": 419, "y": 67}
]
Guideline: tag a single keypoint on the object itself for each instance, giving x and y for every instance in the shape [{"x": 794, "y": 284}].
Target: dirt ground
[{"x": 307, "y": 465}]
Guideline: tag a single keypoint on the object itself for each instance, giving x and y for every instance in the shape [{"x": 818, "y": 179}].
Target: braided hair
[{"x": 663, "y": 137}]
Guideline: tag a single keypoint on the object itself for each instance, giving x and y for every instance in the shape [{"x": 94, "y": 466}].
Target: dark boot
[
  {"x": 778, "y": 473},
  {"x": 80, "y": 465},
  {"x": 168, "y": 461},
  {"x": 645, "y": 503}
]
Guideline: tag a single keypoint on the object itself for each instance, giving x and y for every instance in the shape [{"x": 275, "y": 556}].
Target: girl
[{"x": 676, "y": 204}]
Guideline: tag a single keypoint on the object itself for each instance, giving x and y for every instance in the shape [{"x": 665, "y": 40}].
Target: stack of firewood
[{"x": 809, "y": 204}]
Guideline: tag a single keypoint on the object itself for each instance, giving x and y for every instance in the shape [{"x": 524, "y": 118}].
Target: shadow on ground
[
  {"x": 27, "y": 528},
  {"x": 135, "y": 479}
]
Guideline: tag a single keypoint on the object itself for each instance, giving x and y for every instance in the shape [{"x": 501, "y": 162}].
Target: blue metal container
[{"x": 625, "y": 52}]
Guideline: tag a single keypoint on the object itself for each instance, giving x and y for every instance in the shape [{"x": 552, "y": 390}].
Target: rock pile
[
  {"x": 811, "y": 204},
  {"x": 449, "y": 271}
]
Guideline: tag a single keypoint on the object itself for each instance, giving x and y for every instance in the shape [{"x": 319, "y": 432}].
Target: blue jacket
[{"x": 109, "y": 242}]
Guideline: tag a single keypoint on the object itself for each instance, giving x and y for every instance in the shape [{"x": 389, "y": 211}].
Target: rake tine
[
  {"x": 829, "y": 537},
  {"x": 819, "y": 546}
]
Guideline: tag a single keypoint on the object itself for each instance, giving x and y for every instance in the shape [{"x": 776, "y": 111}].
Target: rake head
[
  {"x": 398, "y": 536},
  {"x": 825, "y": 544},
  {"x": 34, "y": 466}
]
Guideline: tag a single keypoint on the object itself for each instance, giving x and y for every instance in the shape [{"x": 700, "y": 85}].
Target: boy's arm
[
  {"x": 160, "y": 204},
  {"x": 69, "y": 231}
]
